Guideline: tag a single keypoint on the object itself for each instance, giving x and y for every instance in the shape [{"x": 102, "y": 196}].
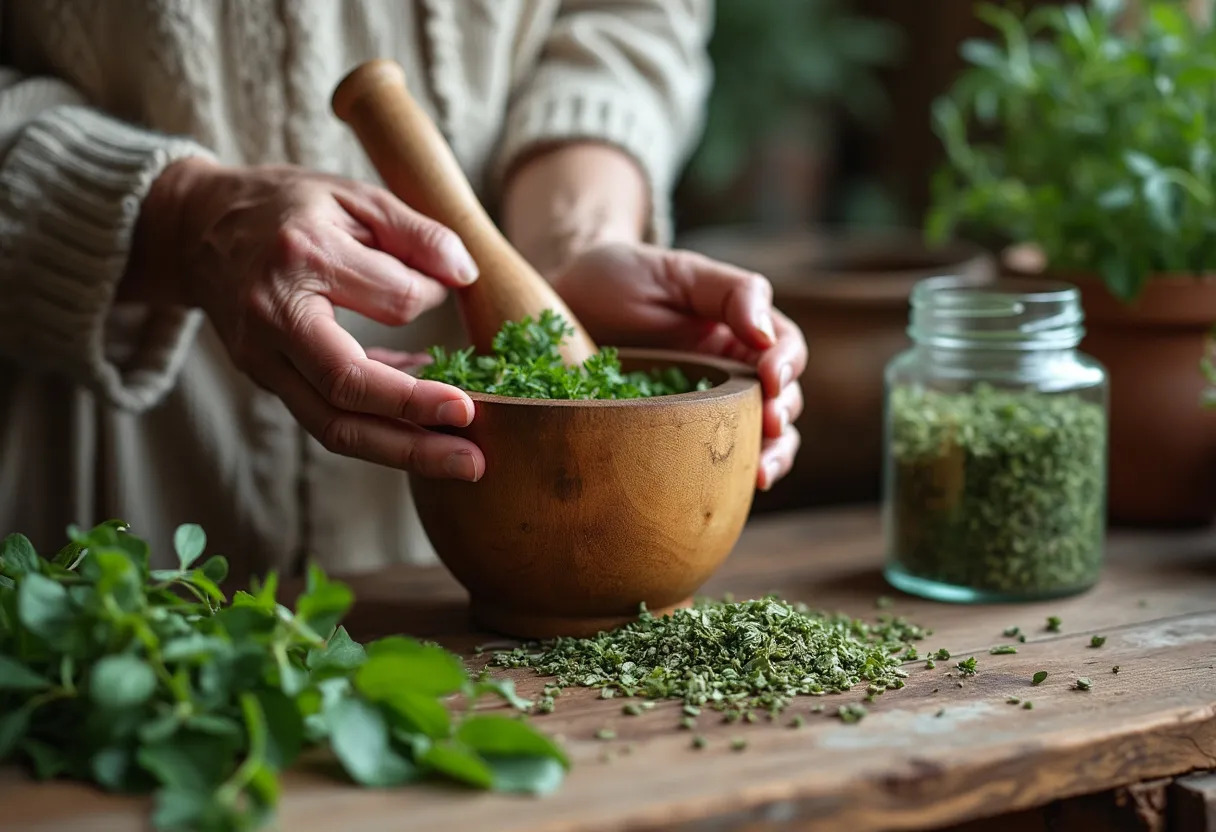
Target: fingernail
[
  {"x": 764, "y": 322},
  {"x": 770, "y": 474},
  {"x": 783, "y": 416},
  {"x": 784, "y": 376},
  {"x": 462, "y": 466},
  {"x": 454, "y": 413},
  {"x": 464, "y": 269}
]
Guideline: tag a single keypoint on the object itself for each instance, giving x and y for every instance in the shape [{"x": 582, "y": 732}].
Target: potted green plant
[{"x": 1086, "y": 132}]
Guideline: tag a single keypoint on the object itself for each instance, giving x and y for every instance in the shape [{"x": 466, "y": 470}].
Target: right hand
[{"x": 267, "y": 253}]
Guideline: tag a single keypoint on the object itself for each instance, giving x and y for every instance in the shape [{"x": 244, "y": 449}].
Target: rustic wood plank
[
  {"x": 1193, "y": 803},
  {"x": 903, "y": 767}
]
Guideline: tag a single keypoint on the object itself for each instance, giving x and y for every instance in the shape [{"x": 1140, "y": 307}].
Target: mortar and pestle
[{"x": 587, "y": 509}]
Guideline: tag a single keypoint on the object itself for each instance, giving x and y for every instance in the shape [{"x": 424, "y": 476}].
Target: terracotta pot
[
  {"x": 849, "y": 293},
  {"x": 589, "y": 508},
  {"x": 1162, "y": 440}
]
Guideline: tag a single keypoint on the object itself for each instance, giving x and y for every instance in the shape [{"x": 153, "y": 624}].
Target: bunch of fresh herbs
[
  {"x": 736, "y": 657},
  {"x": 144, "y": 680},
  {"x": 527, "y": 363},
  {"x": 1088, "y": 136},
  {"x": 997, "y": 490}
]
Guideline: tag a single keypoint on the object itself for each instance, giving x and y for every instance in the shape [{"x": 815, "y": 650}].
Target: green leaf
[
  {"x": 122, "y": 681},
  {"x": 420, "y": 713},
  {"x": 324, "y": 602},
  {"x": 398, "y": 663},
  {"x": 190, "y": 761},
  {"x": 189, "y": 541},
  {"x": 459, "y": 763},
  {"x": 504, "y": 736},
  {"x": 16, "y": 676},
  {"x": 18, "y": 556},
  {"x": 44, "y": 608},
  {"x": 195, "y": 646},
  {"x": 532, "y": 775},
  {"x": 183, "y": 809},
  {"x": 111, "y": 767},
  {"x": 502, "y": 688},
  {"x": 215, "y": 568},
  {"x": 48, "y": 761},
  {"x": 13, "y": 726},
  {"x": 340, "y": 653},
  {"x": 359, "y": 736},
  {"x": 284, "y": 728}
]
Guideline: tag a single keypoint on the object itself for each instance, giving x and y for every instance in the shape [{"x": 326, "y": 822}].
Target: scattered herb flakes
[
  {"x": 731, "y": 656},
  {"x": 911, "y": 655},
  {"x": 1021, "y": 638},
  {"x": 632, "y": 709},
  {"x": 208, "y": 699},
  {"x": 1115, "y": 669},
  {"x": 1024, "y": 510},
  {"x": 687, "y": 723},
  {"x": 851, "y": 713},
  {"x": 605, "y": 734},
  {"x": 699, "y": 742},
  {"x": 817, "y": 709},
  {"x": 884, "y": 603},
  {"x": 1053, "y": 623},
  {"x": 1097, "y": 641},
  {"x": 738, "y": 744},
  {"x": 942, "y": 655},
  {"x": 526, "y": 361},
  {"x": 1013, "y": 700},
  {"x": 1083, "y": 683},
  {"x": 798, "y": 721},
  {"x": 1003, "y": 650},
  {"x": 940, "y": 713},
  {"x": 967, "y": 667},
  {"x": 691, "y": 710},
  {"x": 930, "y": 665},
  {"x": 607, "y": 693},
  {"x": 1028, "y": 705},
  {"x": 1012, "y": 632}
]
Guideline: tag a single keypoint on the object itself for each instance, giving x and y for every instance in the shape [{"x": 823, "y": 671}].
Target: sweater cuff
[
  {"x": 71, "y": 186},
  {"x": 594, "y": 113}
]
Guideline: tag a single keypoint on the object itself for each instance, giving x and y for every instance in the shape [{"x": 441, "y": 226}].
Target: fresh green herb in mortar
[
  {"x": 526, "y": 363},
  {"x": 998, "y": 491},
  {"x": 733, "y": 657},
  {"x": 151, "y": 681}
]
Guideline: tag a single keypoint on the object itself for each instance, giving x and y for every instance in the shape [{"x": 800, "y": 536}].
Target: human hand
[
  {"x": 629, "y": 294},
  {"x": 267, "y": 253}
]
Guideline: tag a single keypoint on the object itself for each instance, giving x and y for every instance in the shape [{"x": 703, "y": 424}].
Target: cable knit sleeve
[
  {"x": 71, "y": 183},
  {"x": 633, "y": 74}
]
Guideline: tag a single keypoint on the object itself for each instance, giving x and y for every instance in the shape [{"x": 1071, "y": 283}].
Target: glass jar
[{"x": 995, "y": 445}]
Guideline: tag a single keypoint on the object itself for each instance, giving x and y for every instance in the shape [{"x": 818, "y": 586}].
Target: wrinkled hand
[
  {"x": 635, "y": 295},
  {"x": 268, "y": 252}
]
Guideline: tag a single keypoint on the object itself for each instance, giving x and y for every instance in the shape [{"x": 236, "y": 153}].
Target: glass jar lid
[{"x": 1008, "y": 313}]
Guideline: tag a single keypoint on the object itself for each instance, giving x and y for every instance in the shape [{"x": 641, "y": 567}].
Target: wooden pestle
[{"x": 416, "y": 164}]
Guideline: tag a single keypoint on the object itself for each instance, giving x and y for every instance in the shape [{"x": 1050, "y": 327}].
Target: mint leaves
[
  {"x": 144, "y": 680},
  {"x": 526, "y": 363}
]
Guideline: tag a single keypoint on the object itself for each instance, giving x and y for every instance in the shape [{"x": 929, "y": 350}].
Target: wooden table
[{"x": 928, "y": 756}]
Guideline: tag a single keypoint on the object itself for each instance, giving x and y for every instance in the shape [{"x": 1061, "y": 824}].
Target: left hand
[{"x": 630, "y": 294}]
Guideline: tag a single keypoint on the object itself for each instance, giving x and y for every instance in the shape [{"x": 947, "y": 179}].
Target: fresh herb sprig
[
  {"x": 526, "y": 362},
  {"x": 150, "y": 680}
]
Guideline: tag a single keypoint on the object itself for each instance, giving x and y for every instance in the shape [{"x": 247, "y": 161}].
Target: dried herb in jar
[{"x": 996, "y": 490}]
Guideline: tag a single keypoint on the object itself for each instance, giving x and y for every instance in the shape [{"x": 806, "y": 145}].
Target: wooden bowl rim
[{"x": 740, "y": 379}]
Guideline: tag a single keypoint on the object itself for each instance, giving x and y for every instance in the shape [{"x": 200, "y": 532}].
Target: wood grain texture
[
  {"x": 417, "y": 165},
  {"x": 589, "y": 508},
  {"x": 902, "y": 767}
]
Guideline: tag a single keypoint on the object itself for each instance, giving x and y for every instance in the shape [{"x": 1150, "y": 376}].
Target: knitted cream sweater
[{"x": 106, "y": 411}]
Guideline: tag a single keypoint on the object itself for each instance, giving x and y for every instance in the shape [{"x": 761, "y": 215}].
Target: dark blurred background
[{"x": 814, "y": 169}]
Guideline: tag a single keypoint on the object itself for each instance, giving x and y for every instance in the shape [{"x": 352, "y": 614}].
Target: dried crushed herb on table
[
  {"x": 996, "y": 490},
  {"x": 526, "y": 362},
  {"x": 733, "y": 657}
]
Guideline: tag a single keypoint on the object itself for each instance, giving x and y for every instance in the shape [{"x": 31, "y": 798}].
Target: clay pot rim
[{"x": 740, "y": 379}]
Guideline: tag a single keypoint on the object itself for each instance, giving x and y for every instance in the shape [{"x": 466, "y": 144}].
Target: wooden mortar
[{"x": 587, "y": 509}]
